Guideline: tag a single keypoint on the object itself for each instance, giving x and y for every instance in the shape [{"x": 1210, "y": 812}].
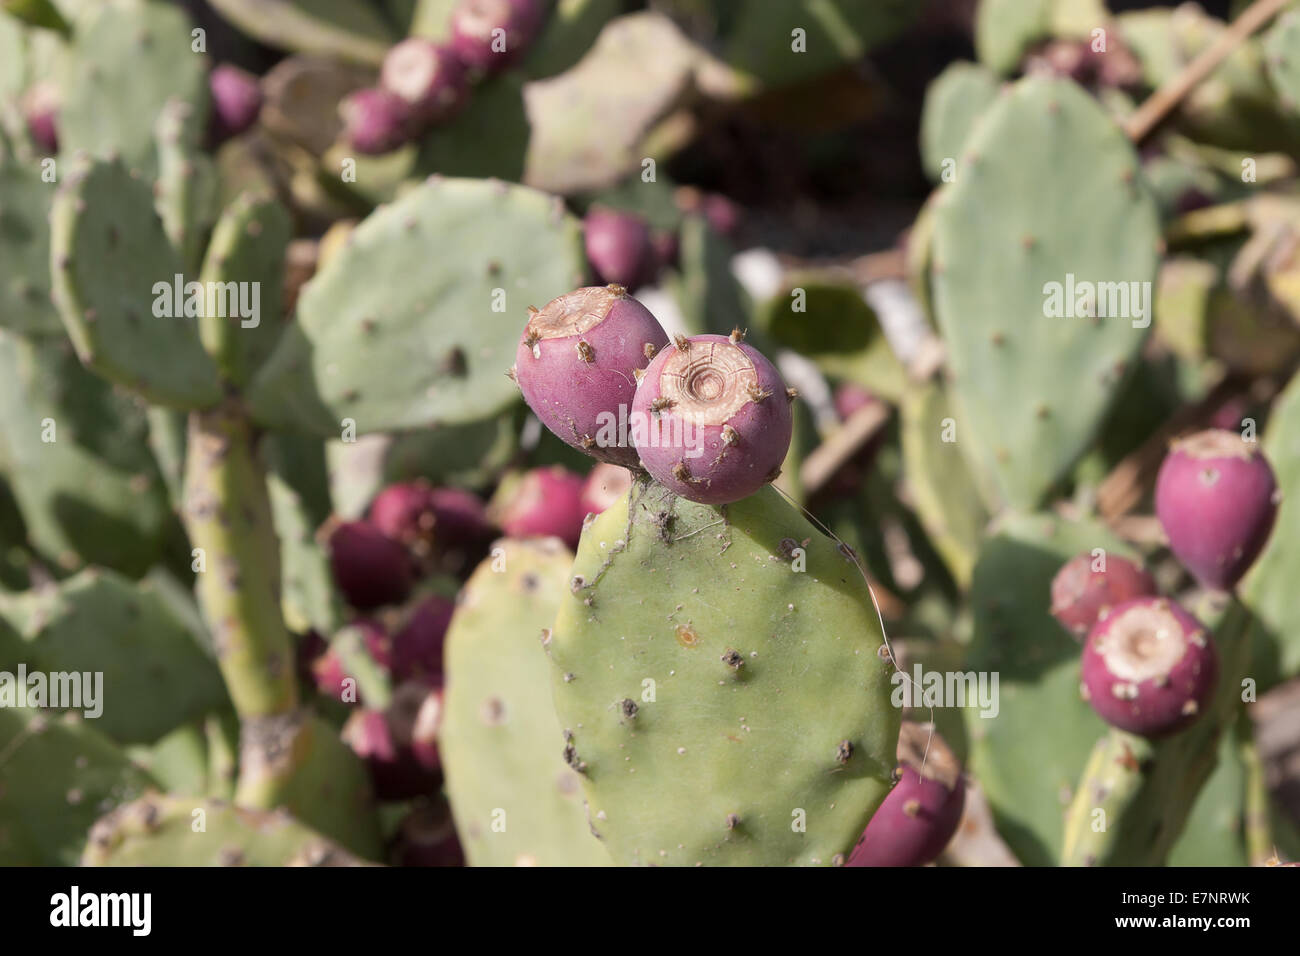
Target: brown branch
[{"x": 1163, "y": 101}]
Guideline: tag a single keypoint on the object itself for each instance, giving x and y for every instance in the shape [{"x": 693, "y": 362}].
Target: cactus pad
[
  {"x": 719, "y": 675},
  {"x": 994, "y": 257},
  {"x": 108, "y": 251},
  {"x": 25, "y": 250},
  {"x": 392, "y": 339},
  {"x": 499, "y": 737}
]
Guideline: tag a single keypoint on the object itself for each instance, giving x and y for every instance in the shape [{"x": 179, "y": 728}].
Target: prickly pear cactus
[
  {"x": 1013, "y": 353},
  {"x": 1282, "y": 55},
  {"x": 721, "y": 678},
  {"x": 343, "y": 29},
  {"x": 165, "y": 830},
  {"x": 954, "y": 101},
  {"x": 25, "y": 250},
  {"x": 114, "y": 272},
  {"x": 126, "y": 60},
  {"x": 48, "y": 762},
  {"x": 429, "y": 343},
  {"x": 154, "y": 674},
  {"x": 514, "y": 799},
  {"x": 1030, "y": 754}
]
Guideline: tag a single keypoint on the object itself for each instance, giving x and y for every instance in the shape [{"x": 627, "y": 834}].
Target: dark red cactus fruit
[
  {"x": 384, "y": 740},
  {"x": 717, "y": 419},
  {"x": 370, "y": 568},
  {"x": 541, "y": 503},
  {"x": 236, "y": 101},
  {"x": 605, "y": 485},
  {"x": 328, "y": 672},
  {"x": 1216, "y": 498},
  {"x": 619, "y": 247},
  {"x": 405, "y": 513},
  {"x": 459, "y": 518},
  {"x": 722, "y": 215},
  {"x": 430, "y": 79},
  {"x": 492, "y": 34},
  {"x": 40, "y": 108},
  {"x": 375, "y": 121},
  {"x": 577, "y": 363},
  {"x": 919, "y": 816},
  {"x": 1087, "y": 586},
  {"x": 417, "y": 646},
  {"x": 1149, "y": 667},
  {"x": 427, "y": 837}
]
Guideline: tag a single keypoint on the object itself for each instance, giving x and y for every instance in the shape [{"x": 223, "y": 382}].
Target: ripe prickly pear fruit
[
  {"x": 430, "y": 79},
  {"x": 41, "y": 113},
  {"x": 1149, "y": 667},
  {"x": 577, "y": 363},
  {"x": 1087, "y": 586},
  {"x": 460, "y": 519},
  {"x": 386, "y": 741},
  {"x": 417, "y": 647},
  {"x": 236, "y": 101},
  {"x": 404, "y": 512},
  {"x": 1216, "y": 497},
  {"x": 619, "y": 247},
  {"x": 717, "y": 417},
  {"x": 375, "y": 121},
  {"x": 369, "y": 568},
  {"x": 605, "y": 485},
  {"x": 491, "y": 34},
  {"x": 327, "y": 670},
  {"x": 427, "y": 837},
  {"x": 541, "y": 503},
  {"x": 920, "y": 815}
]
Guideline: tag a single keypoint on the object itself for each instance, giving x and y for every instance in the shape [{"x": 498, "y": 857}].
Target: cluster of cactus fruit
[{"x": 353, "y": 601}]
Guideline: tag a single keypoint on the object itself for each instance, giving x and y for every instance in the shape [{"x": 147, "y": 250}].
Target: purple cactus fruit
[
  {"x": 417, "y": 646},
  {"x": 385, "y": 741},
  {"x": 429, "y": 78},
  {"x": 236, "y": 101},
  {"x": 328, "y": 672},
  {"x": 375, "y": 121},
  {"x": 577, "y": 364},
  {"x": 41, "y": 111},
  {"x": 717, "y": 418},
  {"x": 619, "y": 247},
  {"x": 1087, "y": 586},
  {"x": 722, "y": 215},
  {"x": 919, "y": 816},
  {"x": 427, "y": 837},
  {"x": 1149, "y": 667},
  {"x": 605, "y": 485},
  {"x": 491, "y": 34},
  {"x": 369, "y": 568},
  {"x": 1216, "y": 498},
  {"x": 541, "y": 503},
  {"x": 404, "y": 512}
]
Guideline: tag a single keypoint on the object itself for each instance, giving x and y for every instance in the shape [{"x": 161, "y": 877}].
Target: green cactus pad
[
  {"x": 944, "y": 496},
  {"x": 1282, "y": 56},
  {"x": 1030, "y": 756},
  {"x": 186, "y": 190},
  {"x": 514, "y": 799},
  {"x": 343, "y": 29},
  {"x": 490, "y": 138},
  {"x": 155, "y": 676},
  {"x": 166, "y": 830},
  {"x": 1214, "y": 833},
  {"x": 1269, "y": 587},
  {"x": 1005, "y": 29},
  {"x": 953, "y": 102},
  {"x": 110, "y": 259},
  {"x": 37, "y": 13},
  {"x": 571, "y": 30},
  {"x": 995, "y": 254},
  {"x": 247, "y": 248},
  {"x": 57, "y": 775},
  {"x": 127, "y": 59},
  {"x": 75, "y": 454},
  {"x": 25, "y": 250},
  {"x": 392, "y": 336},
  {"x": 723, "y": 706}
]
